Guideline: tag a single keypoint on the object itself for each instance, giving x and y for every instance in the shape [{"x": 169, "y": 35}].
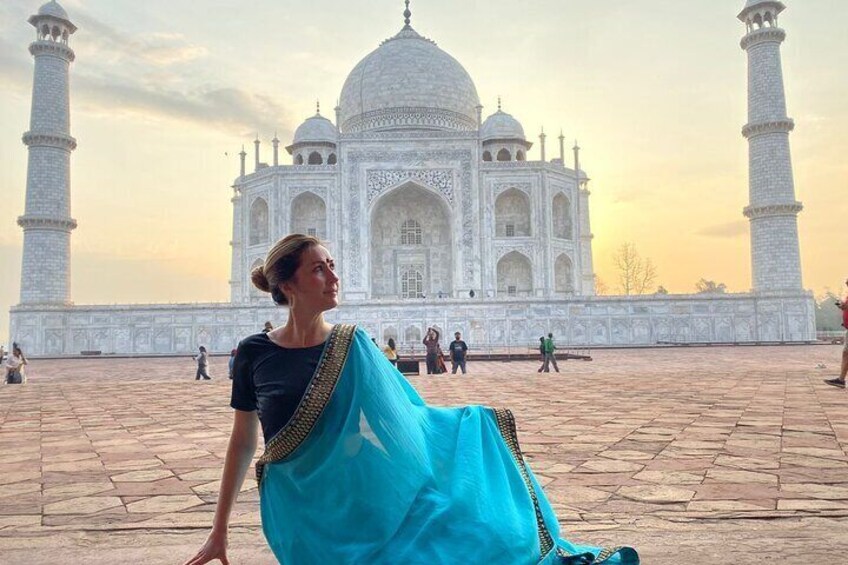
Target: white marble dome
[
  {"x": 408, "y": 83},
  {"x": 316, "y": 129},
  {"x": 501, "y": 125},
  {"x": 53, "y": 9}
]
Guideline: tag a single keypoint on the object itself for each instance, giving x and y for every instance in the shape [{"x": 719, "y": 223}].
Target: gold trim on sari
[
  {"x": 506, "y": 425},
  {"x": 315, "y": 399}
]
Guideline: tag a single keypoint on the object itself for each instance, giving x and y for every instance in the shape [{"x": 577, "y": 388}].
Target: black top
[
  {"x": 458, "y": 348},
  {"x": 271, "y": 379}
]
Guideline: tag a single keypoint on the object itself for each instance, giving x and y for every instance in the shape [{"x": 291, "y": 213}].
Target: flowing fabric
[{"x": 366, "y": 472}]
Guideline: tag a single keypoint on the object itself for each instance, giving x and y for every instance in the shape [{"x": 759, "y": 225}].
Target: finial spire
[
  {"x": 406, "y": 14},
  {"x": 317, "y": 107},
  {"x": 499, "y": 103}
]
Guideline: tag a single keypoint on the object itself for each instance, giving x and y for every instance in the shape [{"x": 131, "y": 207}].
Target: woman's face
[{"x": 315, "y": 286}]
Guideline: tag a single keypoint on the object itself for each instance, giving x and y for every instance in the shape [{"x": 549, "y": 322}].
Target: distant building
[{"x": 435, "y": 213}]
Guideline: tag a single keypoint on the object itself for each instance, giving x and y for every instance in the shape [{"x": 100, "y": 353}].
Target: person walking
[
  {"x": 357, "y": 467},
  {"x": 550, "y": 358},
  {"x": 15, "y": 367},
  {"x": 541, "y": 353},
  {"x": 202, "y": 359},
  {"x": 390, "y": 351},
  {"x": 431, "y": 345},
  {"x": 268, "y": 327},
  {"x": 458, "y": 349},
  {"x": 230, "y": 363},
  {"x": 840, "y": 380}
]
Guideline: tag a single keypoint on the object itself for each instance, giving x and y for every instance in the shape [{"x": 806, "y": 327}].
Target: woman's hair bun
[{"x": 260, "y": 281}]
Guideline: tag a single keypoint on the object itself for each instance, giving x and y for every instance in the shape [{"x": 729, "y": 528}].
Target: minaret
[
  {"x": 773, "y": 210},
  {"x": 561, "y": 148},
  {"x": 587, "y": 269},
  {"x": 276, "y": 143},
  {"x": 256, "y": 143},
  {"x": 47, "y": 222},
  {"x": 242, "y": 159},
  {"x": 542, "y": 137}
]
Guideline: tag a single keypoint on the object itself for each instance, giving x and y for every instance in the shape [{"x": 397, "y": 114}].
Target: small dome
[
  {"x": 53, "y": 8},
  {"x": 751, "y": 5},
  {"x": 501, "y": 125},
  {"x": 316, "y": 129}
]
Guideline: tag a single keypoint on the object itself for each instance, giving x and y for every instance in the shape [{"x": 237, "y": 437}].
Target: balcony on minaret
[
  {"x": 52, "y": 25},
  {"x": 760, "y": 14}
]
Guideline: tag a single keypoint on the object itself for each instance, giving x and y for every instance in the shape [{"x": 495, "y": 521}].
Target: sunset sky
[{"x": 164, "y": 93}]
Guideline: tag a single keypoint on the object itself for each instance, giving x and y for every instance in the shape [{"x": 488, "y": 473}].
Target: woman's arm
[{"x": 240, "y": 453}]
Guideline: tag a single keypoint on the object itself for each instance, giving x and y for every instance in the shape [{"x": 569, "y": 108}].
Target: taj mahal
[{"x": 433, "y": 210}]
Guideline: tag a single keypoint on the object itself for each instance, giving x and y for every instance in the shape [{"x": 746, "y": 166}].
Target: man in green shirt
[{"x": 549, "y": 348}]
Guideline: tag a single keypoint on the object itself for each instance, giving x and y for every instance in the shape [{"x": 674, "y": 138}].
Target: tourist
[
  {"x": 541, "y": 353},
  {"x": 458, "y": 349},
  {"x": 550, "y": 358},
  {"x": 16, "y": 366},
  {"x": 390, "y": 351},
  {"x": 268, "y": 327},
  {"x": 202, "y": 359},
  {"x": 231, "y": 361},
  {"x": 840, "y": 380},
  {"x": 357, "y": 467},
  {"x": 432, "y": 351}
]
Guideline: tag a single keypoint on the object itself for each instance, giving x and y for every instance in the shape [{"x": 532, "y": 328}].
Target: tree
[
  {"x": 601, "y": 288},
  {"x": 635, "y": 274},
  {"x": 828, "y": 316},
  {"x": 704, "y": 286}
]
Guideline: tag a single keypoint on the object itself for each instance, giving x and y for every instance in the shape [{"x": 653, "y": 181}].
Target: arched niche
[
  {"x": 561, "y": 212},
  {"x": 504, "y": 155},
  {"x": 515, "y": 275},
  {"x": 315, "y": 158},
  {"x": 512, "y": 214},
  {"x": 563, "y": 275},
  {"x": 259, "y": 228},
  {"x": 410, "y": 228},
  {"x": 309, "y": 215}
]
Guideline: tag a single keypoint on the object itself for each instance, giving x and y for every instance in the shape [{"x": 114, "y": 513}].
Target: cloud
[
  {"x": 727, "y": 230},
  {"x": 158, "y": 48},
  {"x": 149, "y": 75},
  {"x": 230, "y": 108}
]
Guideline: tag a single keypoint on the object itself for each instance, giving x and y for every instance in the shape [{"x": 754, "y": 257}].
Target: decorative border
[
  {"x": 506, "y": 425},
  {"x": 46, "y": 47},
  {"x": 761, "y": 128},
  {"x": 48, "y": 139},
  {"x": 763, "y": 35},
  {"x": 772, "y": 210},
  {"x": 47, "y": 223},
  {"x": 314, "y": 400}
]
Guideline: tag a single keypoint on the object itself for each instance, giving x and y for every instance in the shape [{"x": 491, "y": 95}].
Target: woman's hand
[{"x": 215, "y": 547}]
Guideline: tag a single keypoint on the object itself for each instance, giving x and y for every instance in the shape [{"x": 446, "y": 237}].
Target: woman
[
  {"x": 433, "y": 351},
  {"x": 202, "y": 359},
  {"x": 390, "y": 351},
  {"x": 357, "y": 468},
  {"x": 16, "y": 373}
]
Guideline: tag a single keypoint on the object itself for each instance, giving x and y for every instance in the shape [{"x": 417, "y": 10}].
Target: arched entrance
[{"x": 411, "y": 240}]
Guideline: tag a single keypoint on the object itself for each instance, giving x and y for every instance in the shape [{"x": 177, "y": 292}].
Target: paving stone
[
  {"x": 164, "y": 504},
  {"x": 83, "y": 505},
  {"x": 656, "y": 493}
]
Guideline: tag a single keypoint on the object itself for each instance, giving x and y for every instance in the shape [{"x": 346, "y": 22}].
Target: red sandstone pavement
[{"x": 694, "y": 456}]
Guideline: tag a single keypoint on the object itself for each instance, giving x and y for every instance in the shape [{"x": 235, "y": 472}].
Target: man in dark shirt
[{"x": 457, "y": 353}]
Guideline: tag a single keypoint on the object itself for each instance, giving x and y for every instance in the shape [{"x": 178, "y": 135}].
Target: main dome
[{"x": 408, "y": 83}]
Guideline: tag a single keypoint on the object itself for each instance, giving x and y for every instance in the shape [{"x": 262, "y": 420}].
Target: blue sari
[{"x": 366, "y": 472}]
